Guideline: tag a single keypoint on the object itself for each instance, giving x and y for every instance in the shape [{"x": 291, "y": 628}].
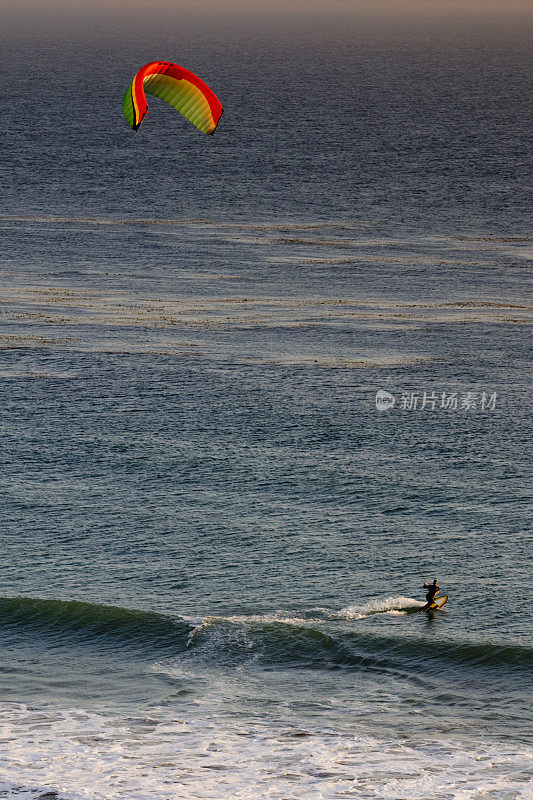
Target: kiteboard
[{"x": 436, "y": 605}]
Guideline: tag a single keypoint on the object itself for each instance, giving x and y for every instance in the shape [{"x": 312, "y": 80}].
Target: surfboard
[{"x": 437, "y": 604}]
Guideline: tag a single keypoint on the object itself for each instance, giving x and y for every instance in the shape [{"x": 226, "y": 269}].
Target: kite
[{"x": 178, "y": 87}]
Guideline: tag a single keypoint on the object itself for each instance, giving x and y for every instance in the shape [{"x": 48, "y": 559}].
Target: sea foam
[{"x": 93, "y": 756}]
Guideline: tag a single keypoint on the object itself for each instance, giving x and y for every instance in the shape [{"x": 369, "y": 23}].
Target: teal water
[{"x": 211, "y": 537}]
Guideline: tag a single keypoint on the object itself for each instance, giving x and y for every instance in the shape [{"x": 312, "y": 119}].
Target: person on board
[{"x": 432, "y": 592}]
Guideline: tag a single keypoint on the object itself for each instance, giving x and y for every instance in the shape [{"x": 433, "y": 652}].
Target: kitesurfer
[{"x": 432, "y": 592}]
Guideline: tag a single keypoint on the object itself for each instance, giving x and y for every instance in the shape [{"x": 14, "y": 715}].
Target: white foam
[
  {"x": 395, "y": 606},
  {"x": 242, "y": 621},
  {"x": 387, "y": 605},
  {"x": 90, "y": 756}
]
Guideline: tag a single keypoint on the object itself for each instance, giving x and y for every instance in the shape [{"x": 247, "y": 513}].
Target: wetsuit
[{"x": 432, "y": 591}]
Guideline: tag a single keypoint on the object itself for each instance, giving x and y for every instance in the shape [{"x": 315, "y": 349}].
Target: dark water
[{"x": 211, "y": 537}]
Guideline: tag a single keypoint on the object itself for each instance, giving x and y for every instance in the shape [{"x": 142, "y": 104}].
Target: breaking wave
[{"x": 319, "y": 638}]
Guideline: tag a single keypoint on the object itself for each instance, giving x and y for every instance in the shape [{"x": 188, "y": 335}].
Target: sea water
[{"x": 212, "y": 539}]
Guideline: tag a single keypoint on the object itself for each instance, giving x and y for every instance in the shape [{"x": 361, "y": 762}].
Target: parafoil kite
[{"x": 178, "y": 87}]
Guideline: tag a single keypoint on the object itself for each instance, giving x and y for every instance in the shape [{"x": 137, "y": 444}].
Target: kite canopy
[{"x": 178, "y": 87}]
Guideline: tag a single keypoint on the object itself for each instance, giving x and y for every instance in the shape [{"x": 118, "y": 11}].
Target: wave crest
[
  {"x": 76, "y": 622},
  {"x": 378, "y": 606},
  {"x": 318, "y": 638}
]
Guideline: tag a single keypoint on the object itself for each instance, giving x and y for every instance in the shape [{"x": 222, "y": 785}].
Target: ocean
[{"x": 253, "y": 387}]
